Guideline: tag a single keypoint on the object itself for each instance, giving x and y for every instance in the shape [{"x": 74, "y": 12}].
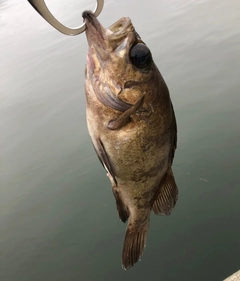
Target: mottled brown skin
[{"x": 137, "y": 150}]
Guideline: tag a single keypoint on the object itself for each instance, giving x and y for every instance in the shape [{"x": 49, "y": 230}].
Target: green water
[{"x": 58, "y": 220}]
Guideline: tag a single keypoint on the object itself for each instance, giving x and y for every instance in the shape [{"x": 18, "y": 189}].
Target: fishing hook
[{"x": 41, "y": 7}]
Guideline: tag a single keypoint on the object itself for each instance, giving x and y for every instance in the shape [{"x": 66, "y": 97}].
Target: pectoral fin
[
  {"x": 109, "y": 99},
  {"x": 104, "y": 159},
  {"x": 123, "y": 119},
  {"x": 167, "y": 197}
]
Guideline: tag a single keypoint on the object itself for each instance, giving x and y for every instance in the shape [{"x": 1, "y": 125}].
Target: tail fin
[{"x": 134, "y": 244}]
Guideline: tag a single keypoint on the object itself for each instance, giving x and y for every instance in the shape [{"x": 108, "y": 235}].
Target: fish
[{"x": 132, "y": 125}]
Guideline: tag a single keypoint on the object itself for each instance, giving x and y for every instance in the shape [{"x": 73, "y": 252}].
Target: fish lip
[
  {"x": 122, "y": 27},
  {"x": 97, "y": 38},
  {"x": 91, "y": 21},
  {"x": 109, "y": 38}
]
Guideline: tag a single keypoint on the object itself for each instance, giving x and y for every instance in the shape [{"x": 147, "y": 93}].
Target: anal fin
[
  {"x": 122, "y": 209},
  {"x": 168, "y": 195}
]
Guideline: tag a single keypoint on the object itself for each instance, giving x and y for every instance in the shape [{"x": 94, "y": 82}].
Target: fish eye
[{"x": 140, "y": 56}]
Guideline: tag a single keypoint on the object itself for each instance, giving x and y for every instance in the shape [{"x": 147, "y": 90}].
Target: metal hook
[{"x": 41, "y": 7}]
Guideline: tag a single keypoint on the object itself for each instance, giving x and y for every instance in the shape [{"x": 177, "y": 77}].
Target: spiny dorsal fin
[{"x": 167, "y": 197}]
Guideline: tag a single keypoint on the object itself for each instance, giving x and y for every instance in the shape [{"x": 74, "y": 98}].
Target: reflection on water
[{"x": 58, "y": 219}]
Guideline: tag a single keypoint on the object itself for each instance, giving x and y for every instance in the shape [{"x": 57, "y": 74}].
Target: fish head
[{"x": 118, "y": 59}]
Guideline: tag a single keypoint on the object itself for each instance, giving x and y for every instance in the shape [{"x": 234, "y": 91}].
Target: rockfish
[{"x": 132, "y": 125}]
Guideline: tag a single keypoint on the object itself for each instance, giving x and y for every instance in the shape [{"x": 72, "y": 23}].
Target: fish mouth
[
  {"x": 96, "y": 36},
  {"x": 93, "y": 25},
  {"x": 105, "y": 40}
]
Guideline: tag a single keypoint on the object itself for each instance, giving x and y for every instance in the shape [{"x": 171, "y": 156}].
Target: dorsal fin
[{"x": 168, "y": 195}]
